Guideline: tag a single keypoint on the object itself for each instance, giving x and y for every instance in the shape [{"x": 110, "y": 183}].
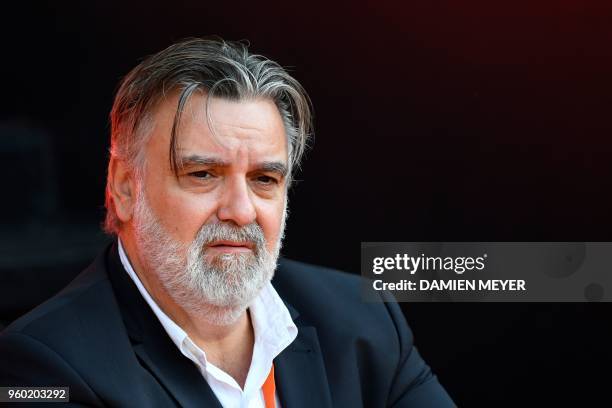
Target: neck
[{"x": 228, "y": 346}]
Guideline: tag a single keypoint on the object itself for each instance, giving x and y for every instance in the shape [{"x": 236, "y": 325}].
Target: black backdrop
[{"x": 435, "y": 120}]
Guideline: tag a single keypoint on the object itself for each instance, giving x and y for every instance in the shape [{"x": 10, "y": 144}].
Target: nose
[{"x": 236, "y": 205}]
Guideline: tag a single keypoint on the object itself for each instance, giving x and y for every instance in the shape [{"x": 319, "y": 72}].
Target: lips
[{"x": 230, "y": 246}]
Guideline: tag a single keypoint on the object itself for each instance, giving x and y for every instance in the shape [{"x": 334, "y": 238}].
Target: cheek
[
  {"x": 183, "y": 214},
  {"x": 270, "y": 220}
]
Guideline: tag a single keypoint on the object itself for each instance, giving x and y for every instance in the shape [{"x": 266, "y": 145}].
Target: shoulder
[
  {"x": 293, "y": 274},
  {"x": 302, "y": 283},
  {"x": 325, "y": 296},
  {"x": 50, "y": 345},
  {"x": 81, "y": 318},
  {"x": 354, "y": 334},
  {"x": 302, "y": 277},
  {"x": 66, "y": 309}
]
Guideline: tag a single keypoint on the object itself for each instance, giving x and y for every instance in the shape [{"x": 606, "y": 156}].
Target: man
[{"x": 181, "y": 310}]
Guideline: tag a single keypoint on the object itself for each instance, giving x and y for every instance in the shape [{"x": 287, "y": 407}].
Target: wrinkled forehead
[{"x": 217, "y": 126}]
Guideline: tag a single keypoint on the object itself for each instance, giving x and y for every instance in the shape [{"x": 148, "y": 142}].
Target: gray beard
[{"x": 216, "y": 288}]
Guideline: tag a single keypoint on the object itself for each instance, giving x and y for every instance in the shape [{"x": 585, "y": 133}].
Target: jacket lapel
[
  {"x": 156, "y": 351},
  {"x": 300, "y": 372},
  {"x": 177, "y": 374}
]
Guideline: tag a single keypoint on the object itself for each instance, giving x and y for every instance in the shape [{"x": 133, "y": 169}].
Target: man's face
[
  {"x": 233, "y": 175},
  {"x": 211, "y": 235}
]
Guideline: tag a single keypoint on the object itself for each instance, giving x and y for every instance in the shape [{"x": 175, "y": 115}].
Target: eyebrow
[{"x": 198, "y": 160}]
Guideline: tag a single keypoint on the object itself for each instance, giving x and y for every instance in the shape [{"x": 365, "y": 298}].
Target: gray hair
[{"x": 221, "y": 68}]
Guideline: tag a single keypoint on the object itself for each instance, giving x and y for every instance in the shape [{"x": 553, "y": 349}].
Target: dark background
[{"x": 435, "y": 121}]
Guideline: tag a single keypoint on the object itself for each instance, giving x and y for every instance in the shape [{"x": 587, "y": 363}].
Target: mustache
[{"x": 228, "y": 231}]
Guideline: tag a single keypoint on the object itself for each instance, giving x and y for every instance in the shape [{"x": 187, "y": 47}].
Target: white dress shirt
[{"x": 273, "y": 328}]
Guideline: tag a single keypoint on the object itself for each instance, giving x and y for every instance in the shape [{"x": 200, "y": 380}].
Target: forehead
[{"x": 251, "y": 128}]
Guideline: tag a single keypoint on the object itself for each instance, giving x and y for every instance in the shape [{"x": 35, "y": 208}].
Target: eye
[
  {"x": 267, "y": 180},
  {"x": 201, "y": 174}
]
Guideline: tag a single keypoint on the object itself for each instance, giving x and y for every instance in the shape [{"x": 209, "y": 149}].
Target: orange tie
[{"x": 269, "y": 389}]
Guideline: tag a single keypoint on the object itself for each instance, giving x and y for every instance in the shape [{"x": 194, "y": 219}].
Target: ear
[{"x": 122, "y": 189}]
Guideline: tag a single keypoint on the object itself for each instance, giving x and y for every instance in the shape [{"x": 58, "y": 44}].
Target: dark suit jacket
[{"x": 99, "y": 337}]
